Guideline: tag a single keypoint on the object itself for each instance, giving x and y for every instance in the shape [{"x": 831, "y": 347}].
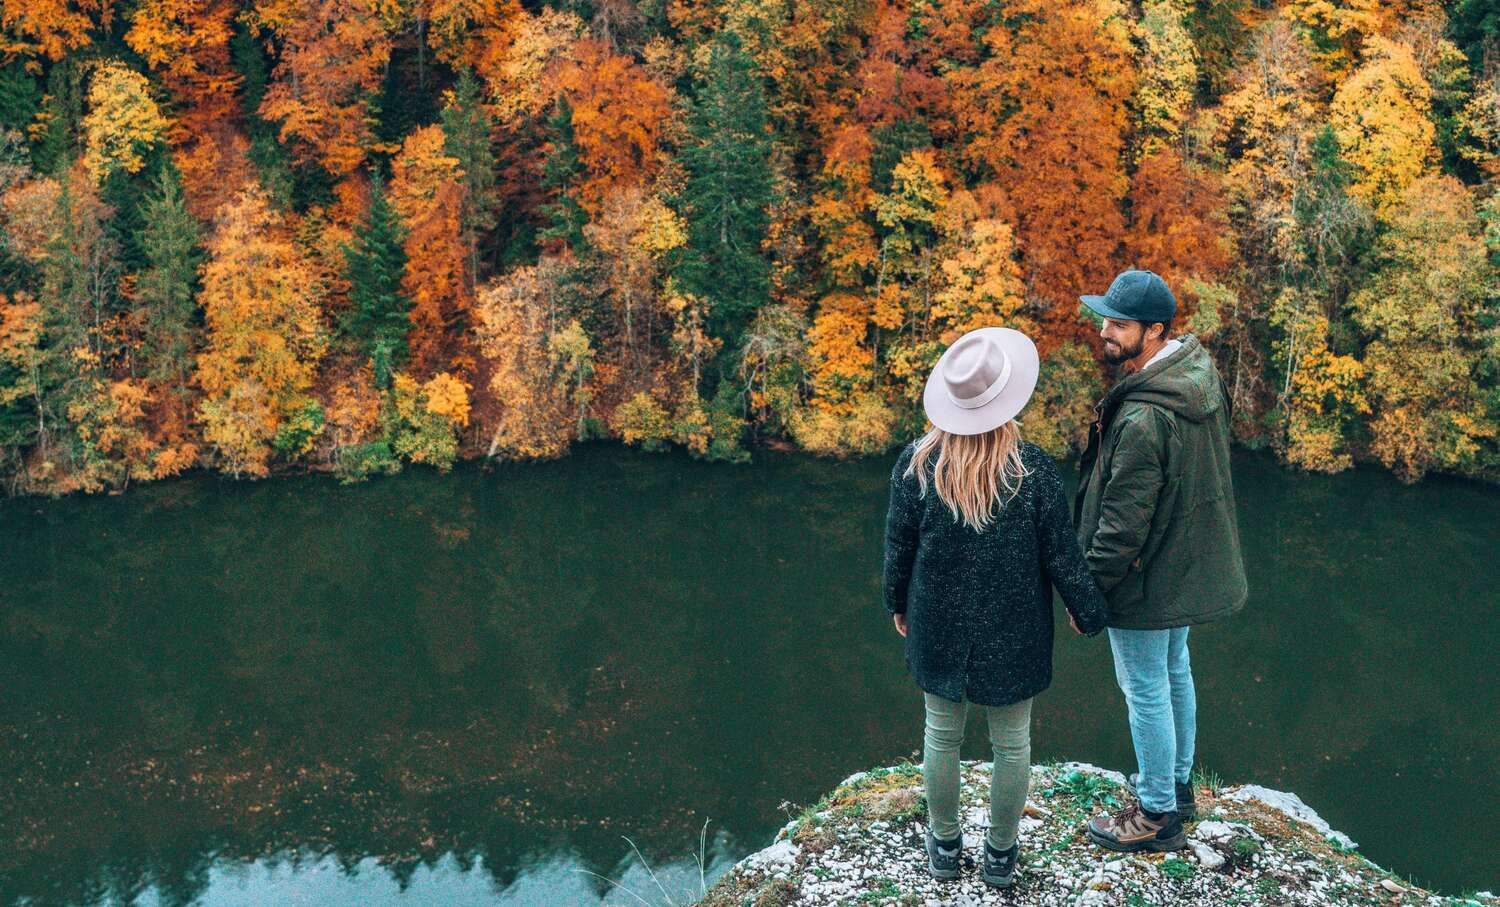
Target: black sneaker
[
  {"x": 1187, "y": 804},
  {"x": 943, "y": 857},
  {"x": 1000, "y": 865}
]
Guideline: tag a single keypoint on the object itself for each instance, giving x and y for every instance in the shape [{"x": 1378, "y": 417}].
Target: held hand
[{"x": 900, "y": 623}]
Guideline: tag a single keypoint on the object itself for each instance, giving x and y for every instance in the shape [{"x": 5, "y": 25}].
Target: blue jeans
[{"x": 1156, "y": 677}]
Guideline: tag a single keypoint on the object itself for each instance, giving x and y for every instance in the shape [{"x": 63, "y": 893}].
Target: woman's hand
[{"x": 900, "y": 623}]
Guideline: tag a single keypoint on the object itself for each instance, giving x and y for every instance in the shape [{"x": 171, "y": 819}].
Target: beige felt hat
[{"x": 982, "y": 381}]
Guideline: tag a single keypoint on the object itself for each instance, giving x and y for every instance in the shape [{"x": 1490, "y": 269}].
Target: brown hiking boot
[{"x": 1130, "y": 830}]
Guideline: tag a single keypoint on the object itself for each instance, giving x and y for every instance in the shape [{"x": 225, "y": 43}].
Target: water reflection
[{"x": 472, "y": 688}]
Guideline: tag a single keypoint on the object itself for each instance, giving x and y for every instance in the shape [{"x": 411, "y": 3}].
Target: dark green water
[{"x": 470, "y": 689}]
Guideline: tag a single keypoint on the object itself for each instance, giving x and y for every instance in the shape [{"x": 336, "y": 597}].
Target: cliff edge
[{"x": 862, "y": 845}]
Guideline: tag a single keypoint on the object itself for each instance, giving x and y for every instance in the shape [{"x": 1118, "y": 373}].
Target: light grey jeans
[{"x": 1010, "y": 740}]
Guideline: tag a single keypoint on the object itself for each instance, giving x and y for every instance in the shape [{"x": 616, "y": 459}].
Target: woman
[{"x": 977, "y": 535}]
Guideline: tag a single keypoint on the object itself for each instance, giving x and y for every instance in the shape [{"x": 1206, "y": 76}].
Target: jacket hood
[{"x": 1185, "y": 383}]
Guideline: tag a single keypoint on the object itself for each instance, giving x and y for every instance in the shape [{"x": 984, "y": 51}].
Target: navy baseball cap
[{"x": 1135, "y": 296}]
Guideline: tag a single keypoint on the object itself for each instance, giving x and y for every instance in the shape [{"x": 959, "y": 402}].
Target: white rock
[
  {"x": 1206, "y": 855},
  {"x": 1225, "y": 832},
  {"x": 778, "y": 856},
  {"x": 1091, "y": 769}
]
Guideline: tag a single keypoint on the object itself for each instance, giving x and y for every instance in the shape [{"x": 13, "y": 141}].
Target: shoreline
[{"x": 779, "y": 447}]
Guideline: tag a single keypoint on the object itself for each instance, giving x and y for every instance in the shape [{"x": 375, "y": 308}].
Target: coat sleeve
[
  {"x": 902, "y": 521},
  {"x": 1062, "y": 559},
  {"x": 1128, "y": 502}
]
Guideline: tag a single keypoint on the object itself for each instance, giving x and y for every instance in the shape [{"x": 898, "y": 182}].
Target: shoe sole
[
  {"x": 943, "y": 875},
  {"x": 1176, "y": 842},
  {"x": 999, "y": 881}
]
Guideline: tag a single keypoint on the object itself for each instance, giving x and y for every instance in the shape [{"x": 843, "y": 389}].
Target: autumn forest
[{"x": 258, "y": 236}]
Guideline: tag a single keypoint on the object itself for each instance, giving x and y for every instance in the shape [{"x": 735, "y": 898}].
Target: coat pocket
[{"x": 1130, "y": 594}]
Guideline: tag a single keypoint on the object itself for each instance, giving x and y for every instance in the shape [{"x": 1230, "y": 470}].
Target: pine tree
[
  {"x": 61, "y": 116},
  {"x": 1335, "y": 226},
  {"x": 376, "y": 261},
  {"x": 19, "y": 97},
  {"x": 728, "y": 190},
  {"x": 560, "y": 177},
  {"x": 267, "y": 154},
  {"x": 165, "y": 289},
  {"x": 467, "y": 129},
  {"x": 79, "y": 273}
]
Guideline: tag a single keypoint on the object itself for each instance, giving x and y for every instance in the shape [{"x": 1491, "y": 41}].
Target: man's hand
[
  {"x": 1073, "y": 621},
  {"x": 900, "y": 623}
]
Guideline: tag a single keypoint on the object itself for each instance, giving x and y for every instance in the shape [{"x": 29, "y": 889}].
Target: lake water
[{"x": 507, "y": 687}]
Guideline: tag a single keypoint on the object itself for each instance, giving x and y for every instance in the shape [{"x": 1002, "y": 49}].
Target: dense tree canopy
[{"x": 255, "y": 235}]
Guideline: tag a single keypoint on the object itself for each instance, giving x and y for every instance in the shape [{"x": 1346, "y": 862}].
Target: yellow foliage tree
[
  {"x": 520, "y": 71},
  {"x": 1266, "y": 124},
  {"x": 123, "y": 121},
  {"x": 264, "y": 338},
  {"x": 631, "y": 235},
  {"x": 1322, "y": 391},
  {"x": 109, "y": 419},
  {"x": 1380, "y": 116},
  {"x": 1168, "y": 64},
  {"x": 1423, "y": 311},
  {"x": 1338, "y": 28},
  {"x": 515, "y": 319},
  {"x": 429, "y": 415},
  {"x": 981, "y": 282}
]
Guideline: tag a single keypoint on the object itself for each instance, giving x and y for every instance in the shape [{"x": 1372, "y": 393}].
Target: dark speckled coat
[{"x": 978, "y": 605}]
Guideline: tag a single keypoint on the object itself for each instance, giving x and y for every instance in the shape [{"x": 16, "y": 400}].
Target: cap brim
[
  {"x": 955, "y": 419},
  {"x": 1099, "y": 305}
]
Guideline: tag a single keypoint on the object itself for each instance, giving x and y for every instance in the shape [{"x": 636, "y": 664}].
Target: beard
[{"x": 1115, "y": 354}]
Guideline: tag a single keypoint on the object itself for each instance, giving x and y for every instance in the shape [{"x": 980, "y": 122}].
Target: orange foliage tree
[
  {"x": 619, "y": 111},
  {"x": 1047, "y": 119},
  {"x": 426, "y": 193},
  {"x": 49, "y": 28},
  {"x": 333, "y": 55},
  {"x": 187, "y": 43}
]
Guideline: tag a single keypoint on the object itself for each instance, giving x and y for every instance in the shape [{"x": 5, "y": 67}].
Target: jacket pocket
[{"x": 1128, "y": 597}]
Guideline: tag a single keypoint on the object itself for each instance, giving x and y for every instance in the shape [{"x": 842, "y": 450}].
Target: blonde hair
[{"x": 972, "y": 471}]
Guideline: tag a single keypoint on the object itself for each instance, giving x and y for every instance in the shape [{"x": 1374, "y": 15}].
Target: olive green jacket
[{"x": 1155, "y": 506}]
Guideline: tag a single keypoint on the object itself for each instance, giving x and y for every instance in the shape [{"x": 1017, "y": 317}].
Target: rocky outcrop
[{"x": 862, "y": 845}]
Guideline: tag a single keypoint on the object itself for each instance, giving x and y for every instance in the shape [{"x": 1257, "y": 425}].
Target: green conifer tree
[
  {"x": 467, "y": 136},
  {"x": 728, "y": 189},
  {"x": 565, "y": 216},
  {"x": 165, "y": 288},
  {"x": 377, "y": 318}
]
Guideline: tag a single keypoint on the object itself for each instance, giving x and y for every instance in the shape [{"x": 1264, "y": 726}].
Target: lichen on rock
[{"x": 862, "y": 845}]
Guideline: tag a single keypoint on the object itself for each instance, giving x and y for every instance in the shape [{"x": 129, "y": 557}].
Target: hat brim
[
  {"x": 954, "y": 419},
  {"x": 1099, "y": 305}
]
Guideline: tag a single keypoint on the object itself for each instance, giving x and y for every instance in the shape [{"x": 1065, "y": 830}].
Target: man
[{"x": 1156, "y": 521}]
